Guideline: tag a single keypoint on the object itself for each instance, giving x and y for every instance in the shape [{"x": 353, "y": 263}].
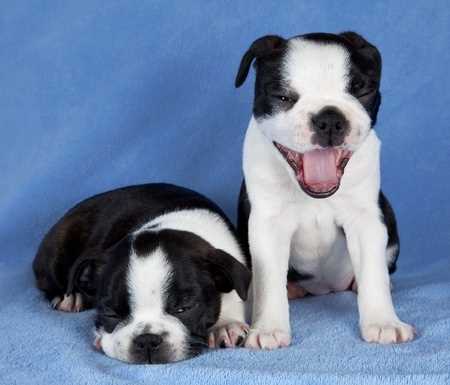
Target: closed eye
[
  {"x": 357, "y": 85},
  {"x": 360, "y": 88},
  {"x": 281, "y": 93},
  {"x": 369, "y": 91},
  {"x": 184, "y": 308}
]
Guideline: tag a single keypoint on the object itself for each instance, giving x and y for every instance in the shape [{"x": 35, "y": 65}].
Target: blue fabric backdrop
[{"x": 100, "y": 94}]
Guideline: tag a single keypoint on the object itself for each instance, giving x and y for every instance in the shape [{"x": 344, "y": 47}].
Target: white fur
[
  {"x": 286, "y": 226},
  {"x": 147, "y": 280}
]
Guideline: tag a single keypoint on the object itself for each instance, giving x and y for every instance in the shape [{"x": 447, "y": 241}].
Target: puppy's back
[{"x": 97, "y": 223}]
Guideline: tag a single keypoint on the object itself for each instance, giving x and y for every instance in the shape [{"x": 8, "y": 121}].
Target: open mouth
[{"x": 318, "y": 172}]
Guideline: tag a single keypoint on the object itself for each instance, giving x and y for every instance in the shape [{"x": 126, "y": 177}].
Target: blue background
[{"x": 96, "y": 95}]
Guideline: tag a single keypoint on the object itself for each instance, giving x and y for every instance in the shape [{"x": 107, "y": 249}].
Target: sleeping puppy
[
  {"x": 311, "y": 208},
  {"x": 160, "y": 263}
]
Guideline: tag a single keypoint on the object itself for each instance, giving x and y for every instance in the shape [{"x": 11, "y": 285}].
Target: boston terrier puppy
[
  {"x": 311, "y": 209},
  {"x": 160, "y": 263}
]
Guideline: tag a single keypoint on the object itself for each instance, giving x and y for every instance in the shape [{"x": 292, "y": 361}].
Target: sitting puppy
[
  {"x": 162, "y": 266},
  {"x": 311, "y": 208}
]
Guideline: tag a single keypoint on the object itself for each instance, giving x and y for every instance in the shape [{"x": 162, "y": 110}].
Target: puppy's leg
[
  {"x": 231, "y": 329},
  {"x": 367, "y": 240},
  {"x": 269, "y": 240}
]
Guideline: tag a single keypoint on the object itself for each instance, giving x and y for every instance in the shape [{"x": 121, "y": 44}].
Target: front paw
[
  {"x": 72, "y": 303},
  {"x": 267, "y": 339},
  {"x": 391, "y": 332},
  {"x": 228, "y": 335}
]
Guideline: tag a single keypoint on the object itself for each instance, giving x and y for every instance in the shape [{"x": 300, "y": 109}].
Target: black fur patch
[
  {"x": 145, "y": 243},
  {"x": 389, "y": 220}
]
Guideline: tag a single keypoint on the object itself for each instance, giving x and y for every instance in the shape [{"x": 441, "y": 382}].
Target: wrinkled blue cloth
[{"x": 100, "y": 94}]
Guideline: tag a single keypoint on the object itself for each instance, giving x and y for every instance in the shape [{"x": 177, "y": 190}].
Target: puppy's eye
[
  {"x": 361, "y": 88},
  {"x": 357, "y": 85},
  {"x": 184, "y": 308},
  {"x": 283, "y": 98}
]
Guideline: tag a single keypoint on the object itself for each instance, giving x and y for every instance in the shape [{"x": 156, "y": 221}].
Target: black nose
[
  {"x": 330, "y": 127},
  {"x": 147, "y": 342}
]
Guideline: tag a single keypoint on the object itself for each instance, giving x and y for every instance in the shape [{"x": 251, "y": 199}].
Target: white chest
[
  {"x": 316, "y": 233},
  {"x": 318, "y": 249}
]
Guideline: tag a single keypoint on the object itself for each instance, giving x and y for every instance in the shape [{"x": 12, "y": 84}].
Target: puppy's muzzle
[{"x": 330, "y": 127}]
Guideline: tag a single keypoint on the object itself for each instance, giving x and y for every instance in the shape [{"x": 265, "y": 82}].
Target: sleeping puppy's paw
[
  {"x": 228, "y": 334},
  {"x": 69, "y": 302},
  {"x": 267, "y": 339},
  {"x": 387, "y": 332}
]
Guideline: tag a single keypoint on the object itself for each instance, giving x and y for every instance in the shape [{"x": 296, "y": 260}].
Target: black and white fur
[
  {"x": 319, "y": 245},
  {"x": 160, "y": 263}
]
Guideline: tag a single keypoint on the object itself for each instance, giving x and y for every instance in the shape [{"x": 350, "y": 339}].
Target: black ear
[
  {"x": 264, "y": 46},
  {"x": 367, "y": 52},
  {"x": 85, "y": 273},
  {"x": 83, "y": 277},
  {"x": 228, "y": 273}
]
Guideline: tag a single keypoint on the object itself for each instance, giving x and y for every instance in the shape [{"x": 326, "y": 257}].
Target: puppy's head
[
  {"x": 159, "y": 294},
  {"x": 316, "y": 98}
]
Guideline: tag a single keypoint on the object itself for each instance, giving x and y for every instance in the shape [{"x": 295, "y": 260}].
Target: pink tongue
[{"x": 319, "y": 166}]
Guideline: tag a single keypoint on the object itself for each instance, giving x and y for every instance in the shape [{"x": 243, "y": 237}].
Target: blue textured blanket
[{"x": 100, "y": 94}]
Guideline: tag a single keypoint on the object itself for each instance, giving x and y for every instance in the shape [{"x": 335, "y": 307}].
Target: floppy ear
[
  {"x": 264, "y": 46},
  {"x": 228, "y": 273},
  {"x": 84, "y": 275},
  {"x": 368, "y": 52}
]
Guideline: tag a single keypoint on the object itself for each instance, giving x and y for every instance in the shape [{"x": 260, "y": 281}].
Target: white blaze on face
[
  {"x": 315, "y": 69},
  {"x": 148, "y": 279},
  {"x": 319, "y": 73}
]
